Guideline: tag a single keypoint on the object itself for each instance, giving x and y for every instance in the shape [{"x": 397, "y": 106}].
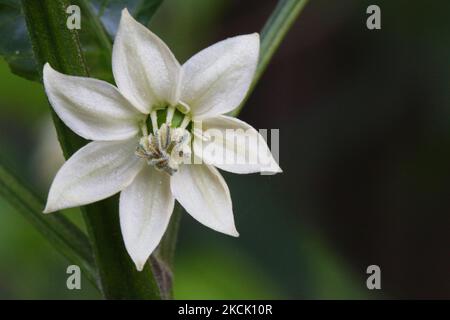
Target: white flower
[{"x": 147, "y": 168}]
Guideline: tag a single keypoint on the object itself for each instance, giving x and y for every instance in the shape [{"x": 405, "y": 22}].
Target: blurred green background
[{"x": 364, "y": 119}]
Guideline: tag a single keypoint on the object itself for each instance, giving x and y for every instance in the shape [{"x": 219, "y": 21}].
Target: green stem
[
  {"x": 120, "y": 279},
  {"x": 58, "y": 230},
  {"x": 53, "y": 42},
  {"x": 273, "y": 33}
]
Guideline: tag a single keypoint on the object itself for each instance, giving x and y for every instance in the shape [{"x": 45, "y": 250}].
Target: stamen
[
  {"x": 185, "y": 122},
  {"x": 144, "y": 129},
  {"x": 153, "y": 152},
  {"x": 169, "y": 117},
  {"x": 166, "y": 149},
  {"x": 158, "y": 140},
  {"x": 167, "y": 138},
  {"x": 154, "y": 118}
]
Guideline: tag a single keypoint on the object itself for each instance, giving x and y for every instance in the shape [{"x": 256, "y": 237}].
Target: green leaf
[
  {"x": 54, "y": 43},
  {"x": 109, "y": 11},
  {"x": 100, "y": 20},
  {"x": 144, "y": 10},
  {"x": 59, "y": 231},
  {"x": 273, "y": 33},
  {"x": 96, "y": 40},
  {"x": 15, "y": 45}
]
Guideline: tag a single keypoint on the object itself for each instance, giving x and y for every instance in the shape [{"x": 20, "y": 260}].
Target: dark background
[{"x": 364, "y": 119}]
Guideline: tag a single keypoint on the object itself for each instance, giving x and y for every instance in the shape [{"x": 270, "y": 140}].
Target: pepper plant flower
[{"x": 146, "y": 131}]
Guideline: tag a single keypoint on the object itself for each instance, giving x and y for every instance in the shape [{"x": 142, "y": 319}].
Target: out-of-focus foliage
[
  {"x": 109, "y": 11},
  {"x": 15, "y": 46},
  {"x": 100, "y": 20},
  {"x": 222, "y": 273},
  {"x": 30, "y": 268}
]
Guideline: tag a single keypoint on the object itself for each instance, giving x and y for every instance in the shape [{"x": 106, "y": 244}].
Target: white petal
[
  {"x": 216, "y": 79},
  {"x": 95, "y": 172},
  {"x": 92, "y": 108},
  {"x": 234, "y": 146},
  {"x": 145, "y": 209},
  {"x": 144, "y": 68},
  {"x": 203, "y": 192}
]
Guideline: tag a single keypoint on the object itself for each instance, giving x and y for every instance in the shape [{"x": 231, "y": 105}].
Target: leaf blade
[
  {"x": 109, "y": 11},
  {"x": 61, "y": 233},
  {"x": 15, "y": 46}
]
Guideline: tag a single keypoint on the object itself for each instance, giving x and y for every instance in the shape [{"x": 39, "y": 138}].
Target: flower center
[{"x": 167, "y": 147}]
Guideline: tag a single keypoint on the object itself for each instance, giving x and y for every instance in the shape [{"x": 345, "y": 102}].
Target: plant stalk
[{"x": 53, "y": 42}]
